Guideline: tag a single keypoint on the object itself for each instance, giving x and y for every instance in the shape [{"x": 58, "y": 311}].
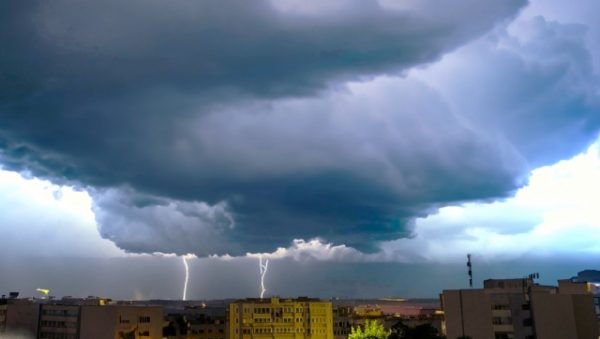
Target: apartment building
[
  {"x": 18, "y": 316},
  {"x": 59, "y": 320},
  {"x": 74, "y": 318},
  {"x": 281, "y": 318},
  {"x": 196, "y": 323},
  {"x": 518, "y": 309}
]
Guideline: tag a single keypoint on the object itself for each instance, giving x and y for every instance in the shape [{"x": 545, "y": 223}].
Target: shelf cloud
[{"x": 235, "y": 127}]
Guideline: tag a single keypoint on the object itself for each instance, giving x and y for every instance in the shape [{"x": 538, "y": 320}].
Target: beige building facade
[
  {"x": 19, "y": 316},
  {"x": 518, "y": 309},
  {"x": 70, "y": 318},
  {"x": 59, "y": 321},
  {"x": 121, "y": 321}
]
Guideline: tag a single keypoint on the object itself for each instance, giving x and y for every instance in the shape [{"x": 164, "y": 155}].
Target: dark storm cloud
[
  {"x": 356, "y": 179},
  {"x": 541, "y": 93},
  {"x": 188, "y": 107},
  {"x": 146, "y": 224},
  {"x": 92, "y": 48}
]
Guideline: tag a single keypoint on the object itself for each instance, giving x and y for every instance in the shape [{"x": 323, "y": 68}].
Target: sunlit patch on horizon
[{"x": 38, "y": 221}]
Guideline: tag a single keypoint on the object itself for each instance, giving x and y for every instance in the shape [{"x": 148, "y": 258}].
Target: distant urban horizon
[
  {"x": 505, "y": 308},
  {"x": 180, "y": 149},
  {"x": 218, "y": 279}
]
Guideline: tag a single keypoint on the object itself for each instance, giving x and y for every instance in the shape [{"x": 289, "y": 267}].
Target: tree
[
  {"x": 398, "y": 330},
  {"x": 372, "y": 330},
  {"x": 424, "y": 331}
]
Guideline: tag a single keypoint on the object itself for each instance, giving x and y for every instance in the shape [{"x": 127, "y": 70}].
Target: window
[
  {"x": 144, "y": 319},
  {"x": 501, "y": 320},
  {"x": 52, "y": 335}
]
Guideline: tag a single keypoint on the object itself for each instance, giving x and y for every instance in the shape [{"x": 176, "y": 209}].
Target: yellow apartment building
[{"x": 304, "y": 318}]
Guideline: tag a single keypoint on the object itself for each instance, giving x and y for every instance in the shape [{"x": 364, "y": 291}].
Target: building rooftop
[{"x": 277, "y": 300}]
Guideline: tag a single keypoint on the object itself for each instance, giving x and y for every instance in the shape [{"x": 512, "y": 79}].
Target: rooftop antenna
[
  {"x": 534, "y": 276},
  {"x": 470, "y": 266}
]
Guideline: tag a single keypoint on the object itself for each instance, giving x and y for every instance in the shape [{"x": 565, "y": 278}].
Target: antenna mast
[{"x": 470, "y": 266}]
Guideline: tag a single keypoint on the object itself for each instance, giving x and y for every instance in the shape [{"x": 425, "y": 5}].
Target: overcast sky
[{"x": 364, "y": 147}]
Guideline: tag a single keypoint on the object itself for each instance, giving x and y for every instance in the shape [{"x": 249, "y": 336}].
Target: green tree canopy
[
  {"x": 424, "y": 331},
  {"x": 371, "y": 330}
]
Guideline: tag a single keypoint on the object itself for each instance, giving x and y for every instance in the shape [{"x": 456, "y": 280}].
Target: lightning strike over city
[
  {"x": 430, "y": 166},
  {"x": 187, "y": 277},
  {"x": 263, "y": 267}
]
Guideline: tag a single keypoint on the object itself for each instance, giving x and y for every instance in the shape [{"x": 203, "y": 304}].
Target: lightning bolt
[
  {"x": 187, "y": 277},
  {"x": 263, "y": 272}
]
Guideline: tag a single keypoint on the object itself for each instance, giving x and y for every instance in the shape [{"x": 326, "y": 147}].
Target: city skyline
[{"x": 359, "y": 146}]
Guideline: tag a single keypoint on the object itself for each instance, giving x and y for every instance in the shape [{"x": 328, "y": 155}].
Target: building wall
[
  {"x": 3, "y": 310},
  {"x": 511, "y": 314},
  {"x": 500, "y": 310},
  {"x": 194, "y": 324},
  {"x": 121, "y": 321},
  {"x": 553, "y": 316},
  {"x": 211, "y": 328},
  {"x": 21, "y": 316},
  {"x": 568, "y": 286},
  {"x": 559, "y": 316},
  {"x": 280, "y": 318},
  {"x": 585, "y": 316},
  {"x": 59, "y": 321},
  {"x": 80, "y": 319},
  {"x": 519, "y": 309},
  {"x": 468, "y": 312},
  {"x": 343, "y": 321}
]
